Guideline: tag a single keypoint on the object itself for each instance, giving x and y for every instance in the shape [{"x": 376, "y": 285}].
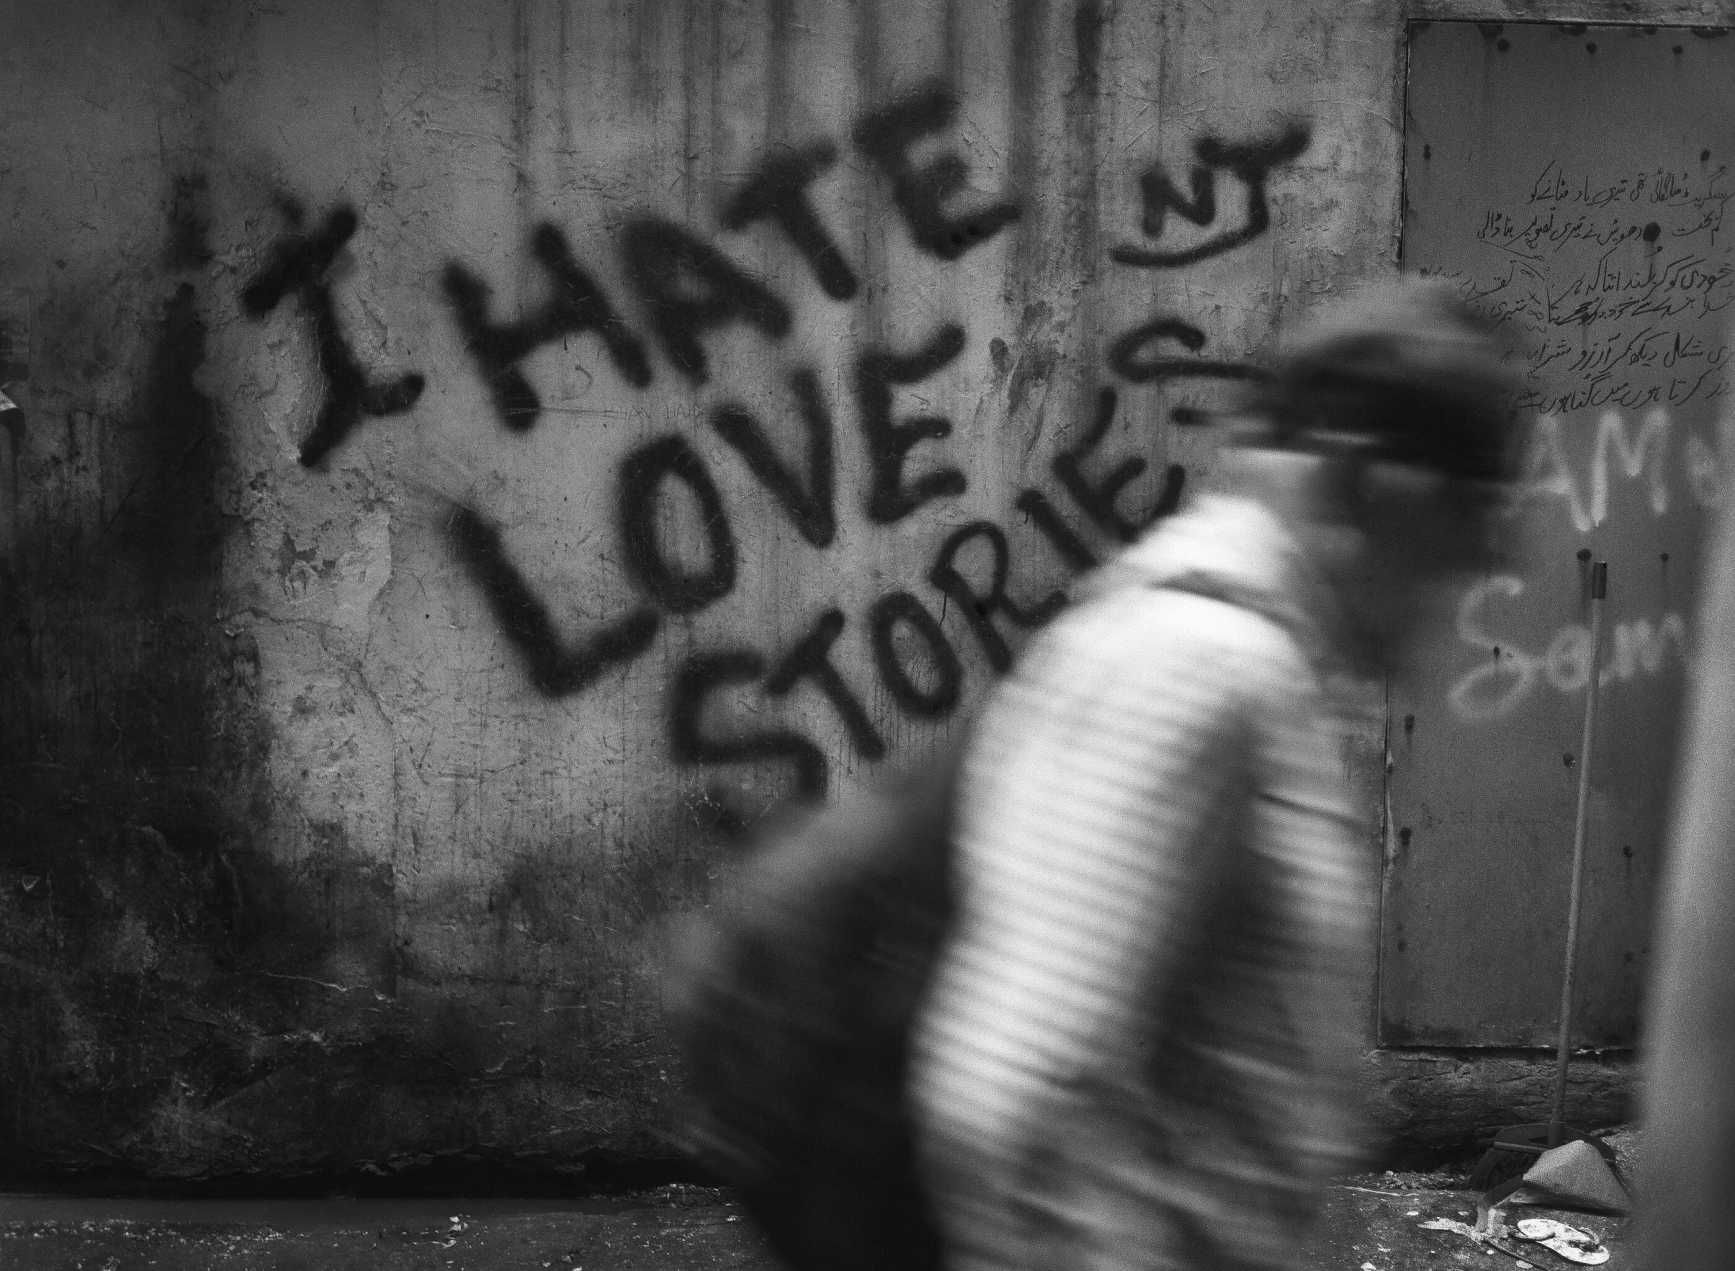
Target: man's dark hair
[{"x": 1405, "y": 371}]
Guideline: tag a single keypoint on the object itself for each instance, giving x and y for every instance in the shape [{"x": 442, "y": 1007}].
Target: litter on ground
[
  {"x": 1568, "y": 1241},
  {"x": 1451, "y": 1224}
]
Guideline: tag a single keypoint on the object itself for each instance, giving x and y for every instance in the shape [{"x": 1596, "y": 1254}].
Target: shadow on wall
[
  {"x": 128, "y": 891},
  {"x": 183, "y": 998},
  {"x": 147, "y": 948}
]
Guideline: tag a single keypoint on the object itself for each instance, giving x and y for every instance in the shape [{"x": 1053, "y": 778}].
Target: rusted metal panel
[{"x": 1575, "y": 180}]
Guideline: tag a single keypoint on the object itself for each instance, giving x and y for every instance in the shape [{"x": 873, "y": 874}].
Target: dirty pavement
[{"x": 1374, "y": 1222}]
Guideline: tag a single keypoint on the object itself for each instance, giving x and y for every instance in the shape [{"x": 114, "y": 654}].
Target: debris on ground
[
  {"x": 1451, "y": 1224},
  {"x": 1566, "y": 1240}
]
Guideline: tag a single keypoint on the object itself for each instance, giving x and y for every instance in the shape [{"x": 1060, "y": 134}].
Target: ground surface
[
  {"x": 1423, "y": 1222},
  {"x": 1375, "y": 1222}
]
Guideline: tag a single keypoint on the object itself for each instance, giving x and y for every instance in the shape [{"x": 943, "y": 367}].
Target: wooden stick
[{"x": 1580, "y": 831}]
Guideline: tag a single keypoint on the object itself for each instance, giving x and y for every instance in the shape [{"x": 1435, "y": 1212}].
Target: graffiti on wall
[
  {"x": 1619, "y": 286},
  {"x": 1137, "y": 355},
  {"x": 686, "y": 288},
  {"x": 300, "y": 265},
  {"x": 1662, "y": 462}
]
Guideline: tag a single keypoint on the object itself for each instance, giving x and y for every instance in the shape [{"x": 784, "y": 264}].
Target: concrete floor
[
  {"x": 674, "y": 1227},
  {"x": 1377, "y": 1222}
]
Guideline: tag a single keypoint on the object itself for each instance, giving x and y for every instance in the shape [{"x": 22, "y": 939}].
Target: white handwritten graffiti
[
  {"x": 1633, "y": 456},
  {"x": 1496, "y": 687}
]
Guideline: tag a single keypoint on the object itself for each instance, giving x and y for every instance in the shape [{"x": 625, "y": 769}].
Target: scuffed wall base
[
  {"x": 271, "y": 1093},
  {"x": 385, "y": 1108},
  {"x": 1432, "y": 1107}
]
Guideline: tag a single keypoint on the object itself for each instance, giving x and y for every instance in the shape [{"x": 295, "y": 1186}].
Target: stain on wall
[{"x": 477, "y": 458}]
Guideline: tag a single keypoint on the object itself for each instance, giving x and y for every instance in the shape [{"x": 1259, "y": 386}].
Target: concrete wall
[{"x": 477, "y": 456}]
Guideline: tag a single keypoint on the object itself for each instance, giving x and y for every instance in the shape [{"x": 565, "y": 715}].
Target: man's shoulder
[
  {"x": 1187, "y": 620},
  {"x": 1162, "y": 634}
]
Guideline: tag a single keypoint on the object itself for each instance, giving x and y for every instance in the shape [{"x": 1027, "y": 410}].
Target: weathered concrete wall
[{"x": 477, "y": 456}]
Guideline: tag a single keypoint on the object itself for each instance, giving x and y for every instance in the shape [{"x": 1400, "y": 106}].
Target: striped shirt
[{"x": 1138, "y": 1048}]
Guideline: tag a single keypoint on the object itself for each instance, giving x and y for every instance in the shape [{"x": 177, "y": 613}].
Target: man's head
[{"x": 1399, "y": 403}]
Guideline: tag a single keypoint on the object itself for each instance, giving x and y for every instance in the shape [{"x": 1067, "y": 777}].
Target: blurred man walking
[{"x": 1138, "y": 1049}]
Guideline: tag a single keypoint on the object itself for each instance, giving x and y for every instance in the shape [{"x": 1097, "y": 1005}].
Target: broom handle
[{"x": 1563, "y": 1044}]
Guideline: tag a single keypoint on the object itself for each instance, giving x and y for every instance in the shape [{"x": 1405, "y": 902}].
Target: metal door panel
[{"x": 1574, "y": 179}]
